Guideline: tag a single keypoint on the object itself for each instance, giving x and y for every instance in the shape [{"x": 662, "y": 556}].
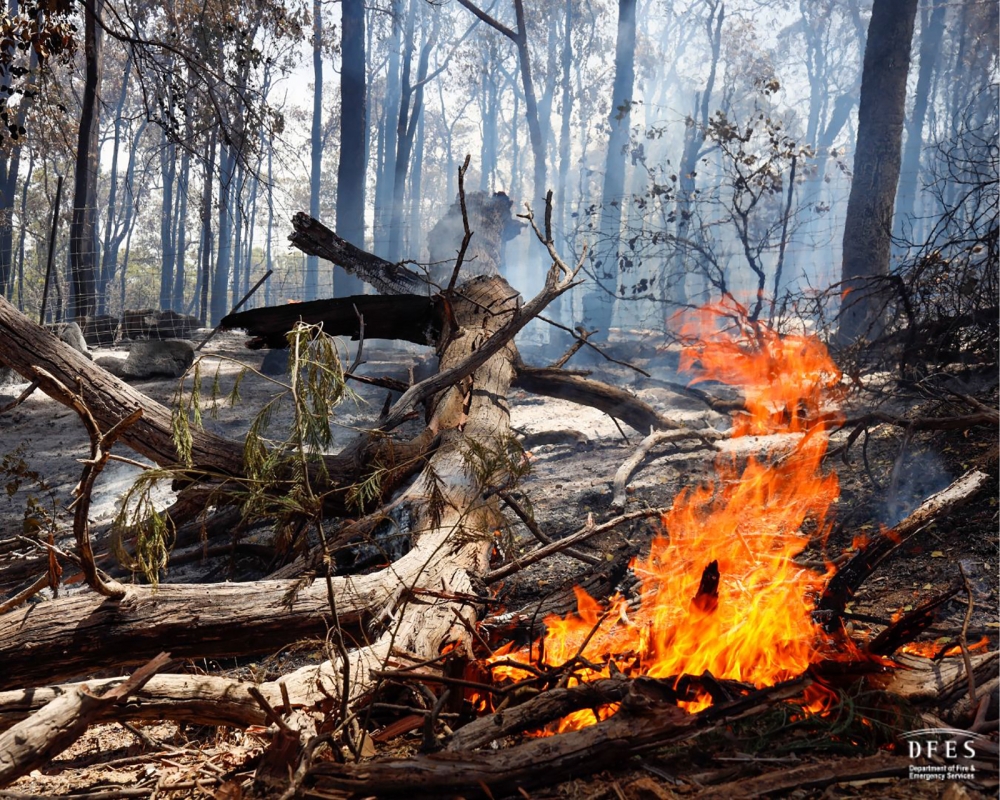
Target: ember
[{"x": 720, "y": 589}]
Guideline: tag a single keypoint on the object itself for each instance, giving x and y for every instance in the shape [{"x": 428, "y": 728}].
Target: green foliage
[
  {"x": 152, "y": 530},
  {"x": 499, "y": 463},
  {"x": 279, "y": 468},
  {"x": 860, "y": 720}
]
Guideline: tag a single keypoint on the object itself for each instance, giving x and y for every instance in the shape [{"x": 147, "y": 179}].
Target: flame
[
  {"x": 720, "y": 588},
  {"x": 935, "y": 650}
]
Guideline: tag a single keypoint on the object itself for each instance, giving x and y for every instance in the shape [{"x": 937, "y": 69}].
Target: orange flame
[{"x": 720, "y": 588}]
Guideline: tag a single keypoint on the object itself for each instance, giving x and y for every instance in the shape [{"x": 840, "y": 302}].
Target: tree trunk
[
  {"x": 909, "y": 180},
  {"x": 352, "y": 164},
  {"x": 224, "y": 248},
  {"x": 868, "y": 226},
  {"x": 600, "y": 303},
  {"x": 315, "y": 145},
  {"x": 83, "y": 229}
]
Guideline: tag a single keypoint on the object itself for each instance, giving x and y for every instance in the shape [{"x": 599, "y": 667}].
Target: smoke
[{"x": 915, "y": 477}]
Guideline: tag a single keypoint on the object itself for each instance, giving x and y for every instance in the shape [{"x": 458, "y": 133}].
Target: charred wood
[{"x": 406, "y": 317}]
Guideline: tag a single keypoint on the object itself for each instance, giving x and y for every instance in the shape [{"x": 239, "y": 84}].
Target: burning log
[
  {"x": 706, "y": 599},
  {"x": 849, "y": 578}
]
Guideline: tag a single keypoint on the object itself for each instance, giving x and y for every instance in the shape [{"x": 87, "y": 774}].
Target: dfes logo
[{"x": 947, "y": 753}]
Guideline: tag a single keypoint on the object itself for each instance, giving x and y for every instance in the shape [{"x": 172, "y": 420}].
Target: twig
[
  {"x": 617, "y": 425},
  {"x": 963, "y": 637},
  {"x": 580, "y": 536},
  {"x": 532, "y": 525},
  {"x": 580, "y": 338},
  {"x": 361, "y": 340},
  {"x": 273, "y": 716},
  {"x": 20, "y": 398},
  {"x": 465, "y": 223},
  {"x": 40, "y": 583},
  {"x": 234, "y": 309}
]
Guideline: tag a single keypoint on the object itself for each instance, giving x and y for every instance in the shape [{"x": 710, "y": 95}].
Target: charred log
[{"x": 405, "y": 317}]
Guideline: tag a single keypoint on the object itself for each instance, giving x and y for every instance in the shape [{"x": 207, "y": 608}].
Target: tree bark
[
  {"x": 600, "y": 302},
  {"x": 83, "y": 229},
  {"x": 868, "y": 226}
]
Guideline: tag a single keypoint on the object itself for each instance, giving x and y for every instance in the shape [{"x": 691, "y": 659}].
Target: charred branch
[{"x": 409, "y": 318}]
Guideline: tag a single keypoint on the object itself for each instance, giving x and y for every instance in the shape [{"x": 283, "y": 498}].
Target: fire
[
  {"x": 720, "y": 588},
  {"x": 937, "y": 650}
]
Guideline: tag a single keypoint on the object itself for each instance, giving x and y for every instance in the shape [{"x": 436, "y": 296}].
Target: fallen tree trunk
[
  {"x": 198, "y": 699},
  {"x": 26, "y": 347},
  {"x": 62, "y": 721},
  {"x": 36, "y": 354}
]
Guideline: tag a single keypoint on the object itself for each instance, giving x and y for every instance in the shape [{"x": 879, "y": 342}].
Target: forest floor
[{"x": 575, "y": 452}]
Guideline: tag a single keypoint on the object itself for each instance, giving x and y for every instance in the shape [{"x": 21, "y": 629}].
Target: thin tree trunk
[
  {"x": 206, "y": 229},
  {"x": 909, "y": 179},
  {"x": 83, "y": 229},
  {"x": 352, "y": 164},
  {"x": 109, "y": 256},
  {"x": 224, "y": 248},
  {"x": 23, "y": 231},
  {"x": 599, "y": 304},
  {"x": 315, "y": 145},
  {"x": 868, "y": 226},
  {"x": 168, "y": 171}
]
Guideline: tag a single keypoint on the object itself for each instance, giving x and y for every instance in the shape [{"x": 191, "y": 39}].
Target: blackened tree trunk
[
  {"x": 353, "y": 163},
  {"x": 599, "y": 303},
  {"x": 83, "y": 229},
  {"x": 868, "y": 226}
]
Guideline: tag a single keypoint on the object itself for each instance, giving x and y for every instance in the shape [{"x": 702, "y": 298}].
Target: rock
[
  {"x": 116, "y": 366},
  {"x": 154, "y": 358},
  {"x": 100, "y": 330},
  {"x": 275, "y": 362},
  {"x": 137, "y": 324},
  {"x": 171, "y": 325},
  {"x": 71, "y": 334}
]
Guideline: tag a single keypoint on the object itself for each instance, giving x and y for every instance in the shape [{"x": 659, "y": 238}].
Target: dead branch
[
  {"x": 586, "y": 532},
  {"x": 611, "y": 400},
  {"x": 315, "y": 239},
  {"x": 813, "y": 776},
  {"x": 632, "y": 463},
  {"x": 648, "y": 718},
  {"x": 34, "y": 741},
  {"x": 25, "y": 594},
  {"x": 467, "y": 237},
  {"x": 198, "y": 699},
  {"x": 20, "y": 398},
  {"x": 537, "y": 712},
  {"x": 910, "y": 625},
  {"x": 843, "y": 586},
  {"x": 536, "y": 531}
]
